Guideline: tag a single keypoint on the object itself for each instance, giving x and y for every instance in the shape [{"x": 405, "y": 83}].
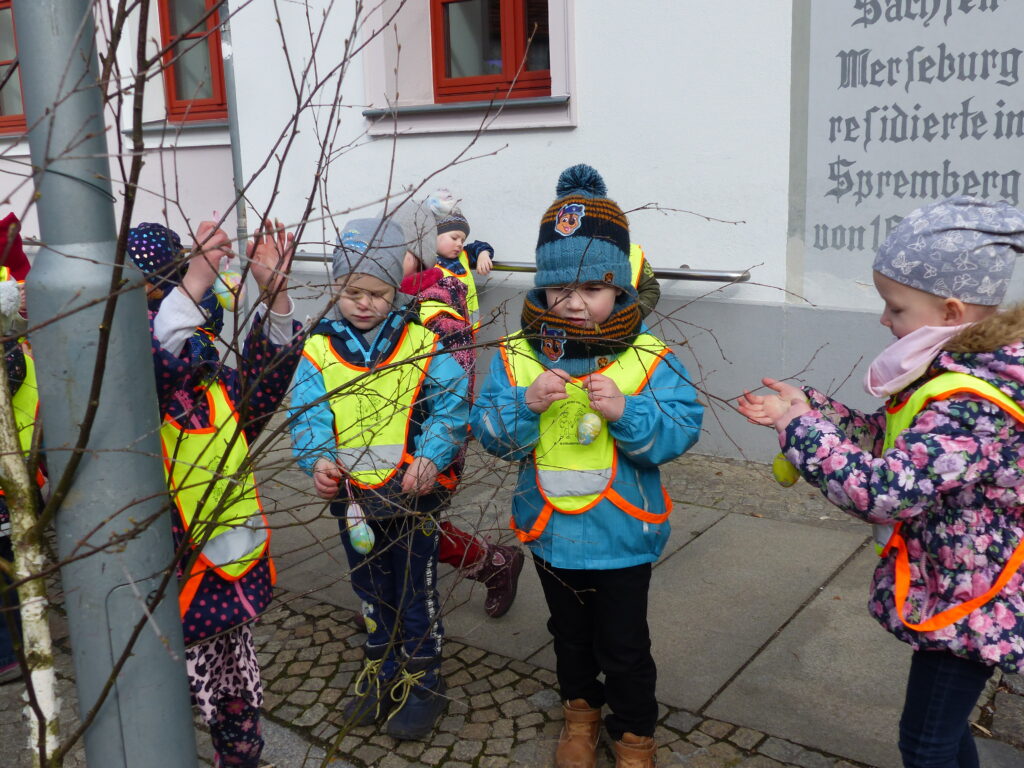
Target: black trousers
[{"x": 599, "y": 622}]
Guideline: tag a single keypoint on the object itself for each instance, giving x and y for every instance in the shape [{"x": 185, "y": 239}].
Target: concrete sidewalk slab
[
  {"x": 719, "y": 599},
  {"x": 832, "y": 680}
]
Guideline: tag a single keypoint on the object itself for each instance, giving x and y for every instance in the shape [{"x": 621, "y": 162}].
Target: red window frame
[
  {"x": 528, "y": 84},
  {"x": 13, "y": 123},
  {"x": 184, "y": 110}
]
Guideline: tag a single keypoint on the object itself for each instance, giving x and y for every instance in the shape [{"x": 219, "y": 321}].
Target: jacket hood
[{"x": 992, "y": 349}]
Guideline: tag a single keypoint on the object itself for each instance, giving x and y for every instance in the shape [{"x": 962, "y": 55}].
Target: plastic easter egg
[
  {"x": 784, "y": 472},
  {"x": 359, "y": 533},
  {"x": 588, "y": 429},
  {"x": 228, "y": 289}
]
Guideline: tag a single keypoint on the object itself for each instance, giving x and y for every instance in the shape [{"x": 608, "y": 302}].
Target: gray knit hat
[
  {"x": 374, "y": 247},
  {"x": 447, "y": 214},
  {"x": 962, "y": 248},
  {"x": 417, "y": 222}
]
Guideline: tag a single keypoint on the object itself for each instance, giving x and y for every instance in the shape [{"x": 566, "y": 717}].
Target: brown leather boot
[
  {"x": 634, "y": 751},
  {"x": 577, "y": 745}
]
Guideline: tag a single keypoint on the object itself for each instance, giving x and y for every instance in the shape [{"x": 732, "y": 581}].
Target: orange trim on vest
[
  {"x": 902, "y": 564},
  {"x": 950, "y": 615},
  {"x": 190, "y": 586}
]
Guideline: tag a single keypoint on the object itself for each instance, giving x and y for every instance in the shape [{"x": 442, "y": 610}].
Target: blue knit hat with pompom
[{"x": 584, "y": 236}]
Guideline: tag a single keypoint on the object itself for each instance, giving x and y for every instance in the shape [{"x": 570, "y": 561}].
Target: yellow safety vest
[
  {"x": 5, "y": 274},
  {"x": 899, "y": 417},
  {"x": 229, "y": 527},
  {"x": 636, "y": 263},
  {"x": 573, "y": 478},
  {"x": 472, "y": 304},
  {"x": 25, "y": 404},
  {"x": 373, "y": 407}
]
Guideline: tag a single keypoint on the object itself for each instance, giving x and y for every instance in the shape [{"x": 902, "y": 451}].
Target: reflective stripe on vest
[
  {"x": 572, "y": 477},
  {"x": 373, "y": 408},
  {"x": 899, "y": 417},
  {"x": 228, "y": 526},
  {"x": 472, "y": 304},
  {"x": 636, "y": 263}
]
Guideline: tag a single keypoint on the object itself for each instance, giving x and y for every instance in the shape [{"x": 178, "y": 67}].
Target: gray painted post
[{"x": 146, "y": 719}]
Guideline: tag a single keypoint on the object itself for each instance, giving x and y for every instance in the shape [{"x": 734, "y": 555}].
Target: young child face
[
  {"x": 906, "y": 308},
  {"x": 449, "y": 244},
  {"x": 583, "y": 305},
  {"x": 364, "y": 300}
]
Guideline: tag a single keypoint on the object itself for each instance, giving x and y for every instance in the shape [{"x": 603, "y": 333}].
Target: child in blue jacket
[
  {"x": 379, "y": 413},
  {"x": 591, "y": 404}
]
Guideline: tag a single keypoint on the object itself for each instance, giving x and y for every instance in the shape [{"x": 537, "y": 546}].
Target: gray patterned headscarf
[{"x": 962, "y": 248}]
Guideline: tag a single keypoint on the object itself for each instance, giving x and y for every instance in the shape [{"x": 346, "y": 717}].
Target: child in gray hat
[
  {"x": 943, "y": 480},
  {"x": 379, "y": 413}
]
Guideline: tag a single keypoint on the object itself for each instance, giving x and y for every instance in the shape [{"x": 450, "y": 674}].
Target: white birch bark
[{"x": 29, "y": 559}]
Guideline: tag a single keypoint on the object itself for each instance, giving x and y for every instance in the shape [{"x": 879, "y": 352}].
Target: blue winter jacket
[
  {"x": 444, "y": 397},
  {"x": 658, "y": 425}
]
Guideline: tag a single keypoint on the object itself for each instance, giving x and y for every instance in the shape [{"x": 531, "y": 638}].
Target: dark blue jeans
[
  {"x": 941, "y": 692},
  {"x": 397, "y": 582},
  {"x": 9, "y": 615}
]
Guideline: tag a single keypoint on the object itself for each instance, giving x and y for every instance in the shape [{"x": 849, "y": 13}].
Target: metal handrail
[{"x": 682, "y": 273}]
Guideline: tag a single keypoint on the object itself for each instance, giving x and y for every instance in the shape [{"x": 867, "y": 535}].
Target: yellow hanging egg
[
  {"x": 784, "y": 472},
  {"x": 588, "y": 428},
  {"x": 228, "y": 289}
]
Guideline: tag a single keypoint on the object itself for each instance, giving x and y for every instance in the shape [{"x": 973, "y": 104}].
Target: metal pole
[
  {"x": 146, "y": 718},
  {"x": 237, "y": 172}
]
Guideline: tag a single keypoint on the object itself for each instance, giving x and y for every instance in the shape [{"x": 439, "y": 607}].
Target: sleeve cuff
[{"x": 279, "y": 329}]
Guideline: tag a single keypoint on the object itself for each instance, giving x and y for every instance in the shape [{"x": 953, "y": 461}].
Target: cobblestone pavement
[{"x": 502, "y": 712}]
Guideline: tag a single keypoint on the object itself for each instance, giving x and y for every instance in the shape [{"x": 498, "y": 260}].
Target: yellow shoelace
[
  {"x": 368, "y": 674},
  {"x": 400, "y": 691}
]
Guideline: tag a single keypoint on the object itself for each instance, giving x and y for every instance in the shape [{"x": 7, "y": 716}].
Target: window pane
[
  {"x": 192, "y": 71},
  {"x": 472, "y": 31},
  {"x": 7, "y": 50},
  {"x": 10, "y": 94},
  {"x": 538, "y": 55},
  {"x": 185, "y": 15}
]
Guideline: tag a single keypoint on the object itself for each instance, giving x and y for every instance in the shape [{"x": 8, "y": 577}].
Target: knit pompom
[
  {"x": 442, "y": 202},
  {"x": 581, "y": 179}
]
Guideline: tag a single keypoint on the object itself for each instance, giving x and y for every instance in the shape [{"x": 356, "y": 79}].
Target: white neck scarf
[{"x": 906, "y": 359}]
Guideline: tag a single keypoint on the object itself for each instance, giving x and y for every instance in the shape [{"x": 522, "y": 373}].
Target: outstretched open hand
[
  {"x": 773, "y": 410},
  {"x": 270, "y": 260}
]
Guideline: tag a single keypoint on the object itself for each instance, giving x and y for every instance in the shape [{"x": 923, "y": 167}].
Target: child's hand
[
  {"x": 483, "y": 253},
  {"x": 605, "y": 396},
  {"x": 212, "y": 244},
  {"x": 420, "y": 477},
  {"x": 326, "y": 478},
  {"x": 270, "y": 259},
  {"x": 546, "y": 389},
  {"x": 774, "y": 410}
]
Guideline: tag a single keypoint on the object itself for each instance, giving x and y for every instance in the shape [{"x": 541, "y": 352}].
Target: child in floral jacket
[
  {"x": 940, "y": 468},
  {"x": 226, "y": 409}
]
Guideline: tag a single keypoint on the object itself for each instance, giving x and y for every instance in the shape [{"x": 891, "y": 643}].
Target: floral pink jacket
[{"x": 955, "y": 479}]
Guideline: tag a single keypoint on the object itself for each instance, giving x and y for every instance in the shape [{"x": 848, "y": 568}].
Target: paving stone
[
  {"x": 433, "y": 756},
  {"x": 530, "y": 718},
  {"x": 470, "y": 655},
  {"x": 477, "y": 686},
  {"x": 312, "y": 716},
  {"x": 794, "y": 754},
  {"x": 1008, "y": 720},
  {"x": 312, "y": 684},
  {"x": 393, "y": 761},
  {"x": 411, "y": 748},
  {"x": 746, "y": 738},
  {"x": 475, "y": 732},
  {"x": 1015, "y": 683},
  {"x": 481, "y": 701},
  {"x": 716, "y": 728},
  {"x": 302, "y": 698},
  {"x": 467, "y": 750},
  {"x": 498, "y": 746},
  {"x": 369, "y": 753},
  {"x": 501, "y": 695},
  {"x": 545, "y": 699},
  {"x": 443, "y": 739},
  {"x": 701, "y": 739},
  {"x": 515, "y": 707},
  {"x": 451, "y": 724},
  {"x": 484, "y": 715}
]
